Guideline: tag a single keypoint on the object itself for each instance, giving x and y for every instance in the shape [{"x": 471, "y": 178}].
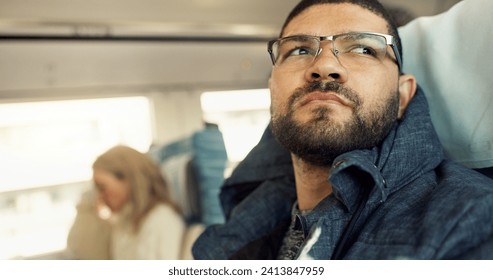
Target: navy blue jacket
[{"x": 399, "y": 200}]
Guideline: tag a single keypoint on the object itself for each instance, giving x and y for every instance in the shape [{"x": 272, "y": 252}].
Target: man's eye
[
  {"x": 364, "y": 50},
  {"x": 300, "y": 51}
]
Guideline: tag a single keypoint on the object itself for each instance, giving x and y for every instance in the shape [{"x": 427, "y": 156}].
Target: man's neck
[{"x": 312, "y": 184}]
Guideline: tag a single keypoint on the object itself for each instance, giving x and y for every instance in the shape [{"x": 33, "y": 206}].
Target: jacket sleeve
[
  {"x": 484, "y": 251},
  {"x": 472, "y": 236},
  {"x": 89, "y": 236}
]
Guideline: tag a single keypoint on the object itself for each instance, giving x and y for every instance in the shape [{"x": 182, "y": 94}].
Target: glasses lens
[
  {"x": 351, "y": 49},
  {"x": 360, "y": 46},
  {"x": 295, "y": 51}
]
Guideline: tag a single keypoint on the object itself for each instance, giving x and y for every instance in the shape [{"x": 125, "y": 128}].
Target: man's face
[{"x": 326, "y": 109}]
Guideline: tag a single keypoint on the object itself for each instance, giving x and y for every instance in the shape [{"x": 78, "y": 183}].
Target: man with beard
[{"x": 359, "y": 172}]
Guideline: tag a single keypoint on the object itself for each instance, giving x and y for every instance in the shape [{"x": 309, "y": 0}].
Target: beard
[{"x": 321, "y": 140}]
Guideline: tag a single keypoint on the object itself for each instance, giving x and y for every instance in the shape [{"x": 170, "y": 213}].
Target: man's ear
[{"x": 407, "y": 89}]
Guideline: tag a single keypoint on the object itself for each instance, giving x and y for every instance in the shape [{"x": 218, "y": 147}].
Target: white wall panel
[{"x": 51, "y": 65}]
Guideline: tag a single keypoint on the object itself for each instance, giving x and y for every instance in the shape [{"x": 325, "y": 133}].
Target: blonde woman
[{"x": 141, "y": 221}]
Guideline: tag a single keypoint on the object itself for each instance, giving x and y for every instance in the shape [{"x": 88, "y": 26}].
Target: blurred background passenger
[
  {"x": 131, "y": 216},
  {"x": 195, "y": 165}
]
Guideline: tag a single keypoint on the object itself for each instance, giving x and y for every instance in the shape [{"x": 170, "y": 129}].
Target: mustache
[{"x": 331, "y": 86}]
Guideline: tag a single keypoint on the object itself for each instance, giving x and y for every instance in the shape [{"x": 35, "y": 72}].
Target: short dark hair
[{"x": 371, "y": 5}]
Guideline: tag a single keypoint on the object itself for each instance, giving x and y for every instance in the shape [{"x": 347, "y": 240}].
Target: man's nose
[{"x": 326, "y": 66}]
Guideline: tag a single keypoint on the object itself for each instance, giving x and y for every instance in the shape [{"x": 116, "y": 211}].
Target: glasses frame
[{"x": 389, "y": 40}]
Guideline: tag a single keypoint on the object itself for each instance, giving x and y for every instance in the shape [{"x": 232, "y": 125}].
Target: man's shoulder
[
  {"x": 457, "y": 188},
  {"x": 458, "y": 177},
  {"x": 466, "y": 221},
  {"x": 443, "y": 214}
]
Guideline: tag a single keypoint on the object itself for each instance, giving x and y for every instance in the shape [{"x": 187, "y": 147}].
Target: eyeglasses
[{"x": 354, "y": 48}]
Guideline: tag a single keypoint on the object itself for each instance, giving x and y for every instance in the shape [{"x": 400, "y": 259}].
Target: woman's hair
[{"x": 147, "y": 184}]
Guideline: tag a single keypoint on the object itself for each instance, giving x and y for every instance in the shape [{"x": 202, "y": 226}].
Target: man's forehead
[{"x": 335, "y": 18}]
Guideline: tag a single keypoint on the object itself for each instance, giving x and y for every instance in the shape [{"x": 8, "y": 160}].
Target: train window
[
  {"x": 242, "y": 116},
  {"x": 46, "y": 152},
  {"x": 55, "y": 142}
]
